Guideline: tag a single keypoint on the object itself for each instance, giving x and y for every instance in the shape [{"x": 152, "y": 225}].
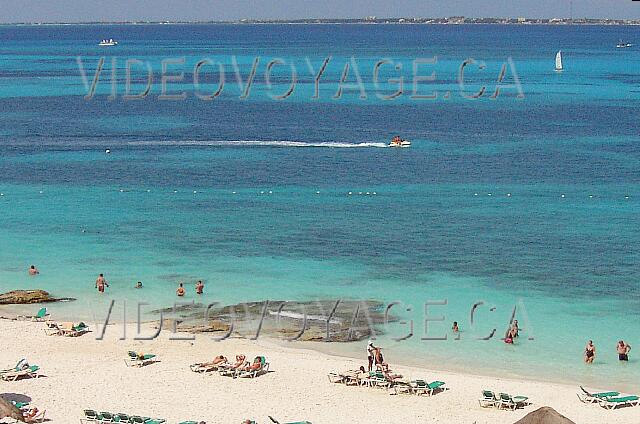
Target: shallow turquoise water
[{"x": 530, "y": 202}]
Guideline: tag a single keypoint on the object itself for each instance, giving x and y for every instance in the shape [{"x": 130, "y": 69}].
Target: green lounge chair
[
  {"x": 121, "y": 418},
  {"x": 488, "y": 399},
  {"x": 278, "y": 422},
  {"x": 91, "y": 416},
  {"x": 422, "y": 387},
  {"x": 512, "y": 402},
  {"x": 136, "y": 360},
  {"x": 264, "y": 368},
  {"x": 106, "y": 417},
  {"x": 155, "y": 421},
  {"x": 40, "y": 316},
  {"x": 31, "y": 372},
  {"x": 588, "y": 397},
  {"x": 611, "y": 403}
]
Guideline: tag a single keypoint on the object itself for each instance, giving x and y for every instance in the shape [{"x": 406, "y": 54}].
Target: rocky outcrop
[
  {"x": 24, "y": 297},
  {"x": 323, "y": 320}
]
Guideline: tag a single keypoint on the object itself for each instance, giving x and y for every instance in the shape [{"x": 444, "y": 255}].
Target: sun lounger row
[
  {"x": 91, "y": 416},
  {"x": 240, "y": 368},
  {"x": 502, "y": 401},
  {"x": 385, "y": 381},
  {"x": 608, "y": 400}
]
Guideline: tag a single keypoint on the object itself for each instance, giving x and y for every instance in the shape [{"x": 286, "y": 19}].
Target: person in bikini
[
  {"x": 180, "y": 291},
  {"x": 33, "y": 270},
  {"x": 199, "y": 287},
  {"x": 589, "y": 352},
  {"x": 101, "y": 283}
]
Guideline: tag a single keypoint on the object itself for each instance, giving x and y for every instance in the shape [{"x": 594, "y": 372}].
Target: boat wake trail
[{"x": 259, "y": 143}]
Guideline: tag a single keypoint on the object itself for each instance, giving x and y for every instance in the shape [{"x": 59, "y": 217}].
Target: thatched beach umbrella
[
  {"x": 544, "y": 415},
  {"x": 8, "y": 410}
]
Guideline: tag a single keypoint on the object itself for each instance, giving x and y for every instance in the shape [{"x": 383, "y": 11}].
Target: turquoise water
[{"x": 530, "y": 202}]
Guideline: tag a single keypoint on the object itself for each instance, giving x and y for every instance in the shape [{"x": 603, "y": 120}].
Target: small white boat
[
  {"x": 559, "y": 66},
  {"x": 108, "y": 43},
  {"x": 398, "y": 142},
  {"x": 623, "y": 45}
]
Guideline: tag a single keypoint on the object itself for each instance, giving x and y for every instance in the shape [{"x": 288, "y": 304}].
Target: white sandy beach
[{"x": 85, "y": 373}]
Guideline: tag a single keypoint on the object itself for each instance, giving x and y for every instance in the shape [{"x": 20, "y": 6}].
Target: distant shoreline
[{"x": 367, "y": 21}]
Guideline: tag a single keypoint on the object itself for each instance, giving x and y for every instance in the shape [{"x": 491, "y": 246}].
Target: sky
[{"x": 158, "y": 10}]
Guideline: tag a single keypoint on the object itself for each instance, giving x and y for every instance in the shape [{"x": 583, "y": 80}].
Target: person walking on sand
[
  {"x": 589, "y": 352},
  {"x": 199, "y": 287},
  {"x": 623, "y": 351},
  {"x": 101, "y": 283},
  {"x": 33, "y": 270},
  {"x": 180, "y": 291}
]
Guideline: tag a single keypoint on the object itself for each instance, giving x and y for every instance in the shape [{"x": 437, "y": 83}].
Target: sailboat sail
[{"x": 559, "y": 61}]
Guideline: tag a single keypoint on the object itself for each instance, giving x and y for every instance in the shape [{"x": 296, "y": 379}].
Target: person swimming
[
  {"x": 180, "y": 291},
  {"x": 138, "y": 285},
  {"x": 101, "y": 283},
  {"x": 455, "y": 328},
  {"x": 33, "y": 270}
]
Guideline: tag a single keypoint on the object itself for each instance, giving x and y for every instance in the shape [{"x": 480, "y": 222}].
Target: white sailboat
[{"x": 559, "y": 61}]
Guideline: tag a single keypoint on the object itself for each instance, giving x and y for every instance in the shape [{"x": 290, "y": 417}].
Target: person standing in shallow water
[
  {"x": 180, "y": 291},
  {"x": 101, "y": 283},
  {"x": 33, "y": 270},
  {"x": 623, "y": 351},
  {"x": 589, "y": 352},
  {"x": 199, "y": 287}
]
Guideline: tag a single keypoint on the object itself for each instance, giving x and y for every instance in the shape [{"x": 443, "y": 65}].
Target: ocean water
[{"x": 526, "y": 202}]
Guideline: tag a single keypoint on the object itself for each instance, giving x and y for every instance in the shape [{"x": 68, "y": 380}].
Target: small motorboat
[
  {"x": 623, "y": 45},
  {"x": 398, "y": 142},
  {"x": 108, "y": 43}
]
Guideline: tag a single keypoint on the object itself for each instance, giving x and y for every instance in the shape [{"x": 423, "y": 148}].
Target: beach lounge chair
[
  {"x": 32, "y": 415},
  {"x": 31, "y": 372},
  {"x": 91, "y": 416},
  {"x": 611, "y": 403},
  {"x": 422, "y": 387},
  {"x": 273, "y": 420},
  {"x": 68, "y": 329},
  {"x": 208, "y": 367},
  {"x": 589, "y": 397},
  {"x": 488, "y": 399},
  {"x": 512, "y": 402},
  {"x": 139, "y": 360},
  {"x": 230, "y": 370},
  {"x": 40, "y": 316},
  {"x": 106, "y": 417},
  {"x": 52, "y": 329},
  {"x": 252, "y": 373}
]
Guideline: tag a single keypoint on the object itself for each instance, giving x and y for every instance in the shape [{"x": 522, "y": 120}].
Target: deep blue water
[{"x": 532, "y": 199}]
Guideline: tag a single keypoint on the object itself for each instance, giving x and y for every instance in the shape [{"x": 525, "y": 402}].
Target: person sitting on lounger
[
  {"x": 257, "y": 363},
  {"x": 218, "y": 360},
  {"x": 240, "y": 360}
]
